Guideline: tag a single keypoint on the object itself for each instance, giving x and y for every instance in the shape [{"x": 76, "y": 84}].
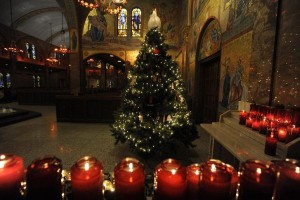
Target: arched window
[
  {"x": 28, "y": 51},
  {"x": 33, "y": 51},
  {"x": 122, "y": 23},
  {"x": 8, "y": 81},
  {"x": 1, "y": 81},
  {"x": 136, "y": 16}
]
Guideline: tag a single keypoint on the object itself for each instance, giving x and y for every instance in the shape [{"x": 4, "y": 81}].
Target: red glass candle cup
[
  {"x": 243, "y": 117},
  {"x": 129, "y": 180},
  {"x": 292, "y": 133},
  {"x": 234, "y": 181},
  {"x": 263, "y": 126},
  {"x": 255, "y": 124},
  {"x": 87, "y": 179},
  {"x": 288, "y": 180},
  {"x": 193, "y": 176},
  {"x": 11, "y": 176},
  {"x": 249, "y": 122},
  {"x": 282, "y": 133},
  {"x": 215, "y": 181},
  {"x": 271, "y": 145},
  {"x": 170, "y": 180},
  {"x": 256, "y": 180},
  {"x": 43, "y": 179}
]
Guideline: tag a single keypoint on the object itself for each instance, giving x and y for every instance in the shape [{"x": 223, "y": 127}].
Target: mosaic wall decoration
[
  {"x": 287, "y": 82},
  {"x": 197, "y": 6},
  {"x": 235, "y": 66},
  {"x": 211, "y": 40}
]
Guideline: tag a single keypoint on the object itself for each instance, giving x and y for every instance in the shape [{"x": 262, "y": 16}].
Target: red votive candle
[
  {"x": 249, "y": 122},
  {"x": 243, "y": 117},
  {"x": 270, "y": 145},
  {"x": 288, "y": 180},
  {"x": 292, "y": 133},
  {"x": 256, "y": 180},
  {"x": 215, "y": 181},
  {"x": 43, "y": 179},
  {"x": 87, "y": 179},
  {"x": 234, "y": 181},
  {"x": 170, "y": 181},
  {"x": 255, "y": 124},
  {"x": 11, "y": 176},
  {"x": 282, "y": 132},
  {"x": 129, "y": 180},
  {"x": 193, "y": 175},
  {"x": 263, "y": 126}
]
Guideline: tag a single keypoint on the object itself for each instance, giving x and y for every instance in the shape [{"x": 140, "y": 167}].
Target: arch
[
  {"x": 207, "y": 67},
  {"x": 104, "y": 71}
]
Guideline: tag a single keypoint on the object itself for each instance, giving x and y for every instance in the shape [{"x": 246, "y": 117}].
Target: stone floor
[{"x": 43, "y": 135}]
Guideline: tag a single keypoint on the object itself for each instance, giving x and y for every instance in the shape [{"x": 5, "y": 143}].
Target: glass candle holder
[
  {"x": 255, "y": 124},
  {"x": 43, "y": 179},
  {"x": 292, "y": 133},
  {"x": 263, "y": 126},
  {"x": 249, "y": 122},
  {"x": 11, "y": 176},
  {"x": 129, "y": 180},
  {"x": 270, "y": 144},
  {"x": 193, "y": 178},
  {"x": 256, "y": 180},
  {"x": 243, "y": 117},
  {"x": 215, "y": 180},
  {"x": 234, "y": 181},
  {"x": 170, "y": 180},
  {"x": 282, "y": 133},
  {"x": 288, "y": 180},
  {"x": 87, "y": 179}
]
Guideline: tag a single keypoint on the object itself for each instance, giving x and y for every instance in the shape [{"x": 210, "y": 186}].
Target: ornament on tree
[
  {"x": 155, "y": 52},
  {"x": 154, "y": 20}
]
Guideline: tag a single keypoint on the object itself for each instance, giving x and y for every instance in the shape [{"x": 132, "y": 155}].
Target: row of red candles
[
  {"x": 277, "y": 124},
  {"x": 212, "y": 179}
]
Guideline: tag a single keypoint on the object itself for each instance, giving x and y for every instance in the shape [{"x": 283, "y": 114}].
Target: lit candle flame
[
  {"x": 2, "y": 163},
  {"x": 297, "y": 170},
  {"x": 258, "y": 170},
  {"x": 173, "y": 171},
  {"x": 130, "y": 167},
  {"x": 213, "y": 168},
  {"x": 197, "y": 172},
  {"x": 86, "y": 166},
  {"x": 2, "y": 157}
]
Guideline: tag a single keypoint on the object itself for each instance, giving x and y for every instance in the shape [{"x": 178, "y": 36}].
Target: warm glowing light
[
  {"x": 258, "y": 170},
  {"x": 130, "y": 167},
  {"x": 197, "y": 172},
  {"x": 213, "y": 168},
  {"x": 173, "y": 171},
  {"x": 86, "y": 166},
  {"x": 2, "y": 164},
  {"x": 297, "y": 170}
]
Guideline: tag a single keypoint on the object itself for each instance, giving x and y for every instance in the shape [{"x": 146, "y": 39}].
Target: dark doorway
[{"x": 208, "y": 89}]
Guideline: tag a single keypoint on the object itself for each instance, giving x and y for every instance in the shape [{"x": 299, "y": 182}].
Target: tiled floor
[{"x": 42, "y": 136}]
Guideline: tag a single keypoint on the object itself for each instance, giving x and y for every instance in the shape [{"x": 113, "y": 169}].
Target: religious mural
[
  {"x": 235, "y": 67},
  {"x": 95, "y": 27},
  {"x": 197, "y": 6},
  {"x": 211, "y": 40}
]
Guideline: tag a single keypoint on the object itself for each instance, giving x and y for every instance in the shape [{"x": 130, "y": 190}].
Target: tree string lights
[{"x": 154, "y": 111}]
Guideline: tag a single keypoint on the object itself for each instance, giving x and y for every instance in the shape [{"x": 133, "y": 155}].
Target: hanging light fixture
[
  {"x": 13, "y": 49},
  {"x": 106, "y": 6},
  {"x": 62, "y": 46},
  {"x": 52, "y": 58}
]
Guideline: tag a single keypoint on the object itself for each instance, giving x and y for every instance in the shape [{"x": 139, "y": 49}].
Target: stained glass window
[
  {"x": 122, "y": 23},
  {"x": 8, "y": 81},
  {"x": 33, "y": 80},
  {"x": 28, "y": 52},
  {"x": 136, "y": 16},
  {"x": 1, "y": 81},
  {"x": 33, "y": 51}
]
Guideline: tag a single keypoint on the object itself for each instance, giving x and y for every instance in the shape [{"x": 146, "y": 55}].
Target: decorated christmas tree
[{"x": 154, "y": 113}]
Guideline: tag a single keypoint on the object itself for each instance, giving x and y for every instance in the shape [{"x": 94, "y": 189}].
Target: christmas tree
[{"x": 154, "y": 113}]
